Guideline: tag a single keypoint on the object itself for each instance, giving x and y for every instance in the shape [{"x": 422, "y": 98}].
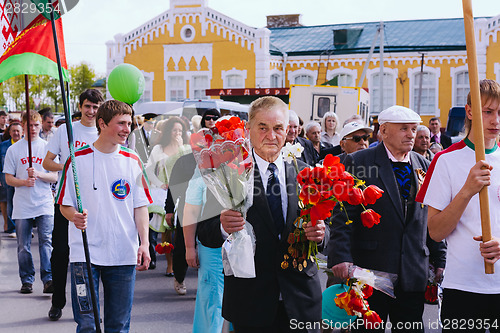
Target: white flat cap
[
  {"x": 353, "y": 127},
  {"x": 398, "y": 114}
]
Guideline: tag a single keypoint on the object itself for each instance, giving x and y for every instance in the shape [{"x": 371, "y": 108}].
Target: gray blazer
[{"x": 396, "y": 245}]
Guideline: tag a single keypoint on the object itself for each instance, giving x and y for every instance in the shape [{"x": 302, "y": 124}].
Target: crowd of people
[{"x": 137, "y": 183}]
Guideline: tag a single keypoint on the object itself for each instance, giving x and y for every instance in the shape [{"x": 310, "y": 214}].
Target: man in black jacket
[
  {"x": 436, "y": 135},
  {"x": 398, "y": 244},
  {"x": 277, "y": 299}
]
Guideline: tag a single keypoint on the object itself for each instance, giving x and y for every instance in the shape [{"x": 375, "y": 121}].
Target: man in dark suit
[
  {"x": 436, "y": 135},
  {"x": 310, "y": 156},
  {"x": 398, "y": 244},
  {"x": 146, "y": 136},
  {"x": 277, "y": 299}
]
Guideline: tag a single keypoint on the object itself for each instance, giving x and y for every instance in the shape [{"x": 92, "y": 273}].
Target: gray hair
[
  {"x": 423, "y": 128},
  {"x": 355, "y": 118},
  {"x": 293, "y": 116},
  {"x": 311, "y": 125},
  {"x": 266, "y": 103}
]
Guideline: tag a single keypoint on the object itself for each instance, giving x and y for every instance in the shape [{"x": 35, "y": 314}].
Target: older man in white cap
[
  {"x": 397, "y": 244},
  {"x": 354, "y": 136}
]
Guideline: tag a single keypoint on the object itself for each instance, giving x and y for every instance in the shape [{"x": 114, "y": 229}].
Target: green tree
[
  {"x": 82, "y": 77},
  {"x": 52, "y": 91},
  {"x": 14, "y": 89},
  {"x": 3, "y": 100}
]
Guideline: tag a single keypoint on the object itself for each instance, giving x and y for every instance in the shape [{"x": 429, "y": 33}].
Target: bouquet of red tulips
[
  {"x": 164, "y": 247},
  {"x": 320, "y": 188},
  {"x": 361, "y": 284},
  {"x": 223, "y": 157}
]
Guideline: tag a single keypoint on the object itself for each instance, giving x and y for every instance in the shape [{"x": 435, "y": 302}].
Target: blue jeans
[
  {"x": 10, "y": 195},
  {"x": 118, "y": 285},
  {"x": 24, "y": 227}
]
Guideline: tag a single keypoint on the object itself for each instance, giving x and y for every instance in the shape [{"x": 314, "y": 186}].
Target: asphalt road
[{"x": 157, "y": 308}]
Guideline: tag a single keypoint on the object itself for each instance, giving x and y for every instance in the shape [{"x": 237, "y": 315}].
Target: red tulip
[
  {"x": 322, "y": 211},
  {"x": 371, "y": 194},
  {"x": 355, "y": 196},
  {"x": 347, "y": 177},
  {"x": 431, "y": 293},
  {"x": 357, "y": 304},
  {"x": 367, "y": 291},
  {"x": 371, "y": 317},
  {"x": 310, "y": 195},
  {"x": 304, "y": 176},
  {"x": 369, "y": 218},
  {"x": 331, "y": 160}
]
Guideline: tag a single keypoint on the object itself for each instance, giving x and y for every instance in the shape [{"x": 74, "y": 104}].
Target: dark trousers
[
  {"x": 405, "y": 311},
  {"x": 59, "y": 258},
  {"x": 153, "y": 241},
  {"x": 180, "y": 265},
  {"x": 464, "y": 311},
  {"x": 281, "y": 324}
]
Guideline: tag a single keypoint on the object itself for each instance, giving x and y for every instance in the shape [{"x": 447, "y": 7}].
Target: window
[
  {"x": 304, "y": 79},
  {"x": 461, "y": 88},
  {"x": 275, "y": 81},
  {"x": 389, "y": 89},
  {"x": 235, "y": 81},
  {"x": 428, "y": 98},
  {"x": 176, "y": 87},
  {"x": 200, "y": 84},
  {"x": 344, "y": 80}
]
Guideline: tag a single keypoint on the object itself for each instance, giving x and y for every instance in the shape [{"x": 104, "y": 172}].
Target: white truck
[{"x": 312, "y": 102}]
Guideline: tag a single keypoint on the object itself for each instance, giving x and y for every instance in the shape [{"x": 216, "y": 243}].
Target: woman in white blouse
[{"x": 329, "y": 124}]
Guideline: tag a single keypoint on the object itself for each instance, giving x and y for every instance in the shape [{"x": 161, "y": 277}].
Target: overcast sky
[{"x": 93, "y": 22}]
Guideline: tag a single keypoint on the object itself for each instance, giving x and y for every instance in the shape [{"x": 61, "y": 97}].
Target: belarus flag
[{"x": 27, "y": 43}]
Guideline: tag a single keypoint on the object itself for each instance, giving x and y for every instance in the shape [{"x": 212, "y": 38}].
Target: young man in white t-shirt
[
  {"x": 84, "y": 132},
  {"x": 451, "y": 189},
  {"x": 32, "y": 202},
  {"x": 114, "y": 195}
]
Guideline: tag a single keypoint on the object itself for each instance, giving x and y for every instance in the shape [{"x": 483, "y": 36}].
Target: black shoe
[
  {"x": 27, "y": 288},
  {"x": 48, "y": 287},
  {"x": 54, "y": 313},
  {"x": 152, "y": 264},
  {"x": 169, "y": 274}
]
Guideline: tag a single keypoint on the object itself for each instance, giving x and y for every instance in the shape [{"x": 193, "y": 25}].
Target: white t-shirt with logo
[
  {"x": 111, "y": 186},
  {"x": 445, "y": 177},
  {"x": 29, "y": 202},
  {"x": 82, "y": 135}
]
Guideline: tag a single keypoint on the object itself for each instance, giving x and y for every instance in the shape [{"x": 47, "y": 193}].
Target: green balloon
[{"x": 126, "y": 83}]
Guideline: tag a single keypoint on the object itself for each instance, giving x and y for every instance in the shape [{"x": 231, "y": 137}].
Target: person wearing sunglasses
[
  {"x": 354, "y": 137},
  {"x": 209, "y": 118}
]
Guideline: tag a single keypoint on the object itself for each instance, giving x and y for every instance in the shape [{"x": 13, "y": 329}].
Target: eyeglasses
[
  {"x": 211, "y": 118},
  {"x": 358, "y": 138}
]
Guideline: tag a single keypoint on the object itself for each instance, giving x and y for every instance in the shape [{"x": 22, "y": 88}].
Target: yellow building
[{"x": 191, "y": 48}]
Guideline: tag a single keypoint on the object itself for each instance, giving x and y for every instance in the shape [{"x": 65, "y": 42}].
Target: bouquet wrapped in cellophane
[{"x": 223, "y": 157}]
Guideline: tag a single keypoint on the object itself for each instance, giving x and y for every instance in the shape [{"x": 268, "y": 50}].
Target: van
[
  {"x": 198, "y": 107},
  {"x": 168, "y": 108}
]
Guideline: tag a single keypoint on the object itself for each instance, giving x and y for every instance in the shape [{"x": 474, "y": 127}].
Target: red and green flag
[{"x": 29, "y": 49}]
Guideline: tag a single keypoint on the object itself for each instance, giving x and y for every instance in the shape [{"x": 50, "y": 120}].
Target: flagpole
[
  {"x": 477, "y": 121},
  {"x": 28, "y": 119},
  {"x": 69, "y": 131}
]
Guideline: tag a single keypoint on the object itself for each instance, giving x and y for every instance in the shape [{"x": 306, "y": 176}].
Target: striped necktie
[{"x": 273, "y": 194}]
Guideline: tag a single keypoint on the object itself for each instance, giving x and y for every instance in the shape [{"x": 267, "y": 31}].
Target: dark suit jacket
[
  {"x": 445, "y": 140},
  {"x": 396, "y": 245},
  {"x": 252, "y": 302},
  {"x": 143, "y": 145},
  {"x": 310, "y": 156}
]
